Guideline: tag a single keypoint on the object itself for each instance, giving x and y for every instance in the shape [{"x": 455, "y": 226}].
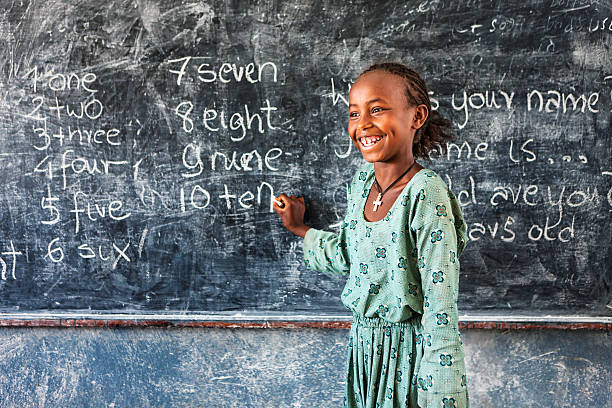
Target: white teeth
[{"x": 369, "y": 140}]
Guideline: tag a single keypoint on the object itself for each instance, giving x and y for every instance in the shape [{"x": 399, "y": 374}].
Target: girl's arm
[
  {"x": 326, "y": 252},
  {"x": 292, "y": 213},
  {"x": 323, "y": 251},
  {"x": 441, "y": 379}
]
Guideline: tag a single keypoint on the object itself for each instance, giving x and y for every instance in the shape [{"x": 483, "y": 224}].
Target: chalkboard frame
[
  {"x": 288, "y": 321},
  {"x": 196, "y": 317}
]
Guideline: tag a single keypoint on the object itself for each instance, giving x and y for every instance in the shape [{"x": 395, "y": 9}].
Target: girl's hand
[{"x": 292, "y": 213}]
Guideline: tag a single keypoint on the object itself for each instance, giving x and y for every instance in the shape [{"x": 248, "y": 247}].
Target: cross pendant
[{"x": 377, "y": 203}]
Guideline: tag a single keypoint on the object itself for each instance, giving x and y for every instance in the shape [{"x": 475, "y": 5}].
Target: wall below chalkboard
[{"x": 278, "y": 368}]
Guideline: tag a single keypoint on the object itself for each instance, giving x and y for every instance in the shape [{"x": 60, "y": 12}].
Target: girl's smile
[{"x": 368, "y": 142}]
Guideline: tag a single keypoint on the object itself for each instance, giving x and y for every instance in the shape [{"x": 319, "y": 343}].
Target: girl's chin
[
  {"x": 368, "y": 155},
  {"x": 368, "y": 152},
  {"x": 370, "y": 158}
]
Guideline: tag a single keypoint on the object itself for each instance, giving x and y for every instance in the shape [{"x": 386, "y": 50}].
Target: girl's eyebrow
[{"x": 370, "y": 101}]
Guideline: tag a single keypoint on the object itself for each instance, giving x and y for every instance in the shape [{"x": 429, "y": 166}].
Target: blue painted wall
[{"x": 62, "y": 367}]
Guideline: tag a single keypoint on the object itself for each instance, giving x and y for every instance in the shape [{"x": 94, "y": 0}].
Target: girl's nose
[{"x": 364, "y": 123}]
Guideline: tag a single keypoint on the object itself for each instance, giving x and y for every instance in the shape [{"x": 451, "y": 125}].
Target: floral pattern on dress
[
  {"x": 382, "y": 310},
  {"x": 441, "y": 210},
  {"x": 421, "y": 262},
  {"x": 446, "y": 359},
  {"x": 363, "y": 268},
  {"x": 442, "y": 318},
  {"x": 421, "y": 195},
  {"x": 437, "y": 277},
  {"x": 437, "y": 236},
  {"x": 448, "y": 403},
  {"x": 374, "y": 289}
]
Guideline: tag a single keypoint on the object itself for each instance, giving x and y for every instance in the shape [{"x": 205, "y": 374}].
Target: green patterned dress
[{"x": 405, "y": 348}]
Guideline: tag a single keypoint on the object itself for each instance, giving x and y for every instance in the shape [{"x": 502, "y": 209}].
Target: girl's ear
[{"x": 420, "y": 116}]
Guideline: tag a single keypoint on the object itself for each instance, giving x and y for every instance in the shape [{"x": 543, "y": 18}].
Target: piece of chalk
[{"x": 279, "y": 203}]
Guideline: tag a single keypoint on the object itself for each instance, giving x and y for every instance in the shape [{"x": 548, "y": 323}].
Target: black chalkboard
[{"x": 141, "y": 143}]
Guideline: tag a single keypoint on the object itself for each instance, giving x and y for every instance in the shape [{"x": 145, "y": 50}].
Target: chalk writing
[
  {"x": 479, "y": 100},
  {"x": 225, "y": 73},
  {"x": 10, "y": 254},
  {"x": 215, "y": 120},
  {"x": 560, "y": 102}
]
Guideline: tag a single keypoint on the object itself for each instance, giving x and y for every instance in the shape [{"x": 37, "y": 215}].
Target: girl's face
[{"x": 381, "y": 123}]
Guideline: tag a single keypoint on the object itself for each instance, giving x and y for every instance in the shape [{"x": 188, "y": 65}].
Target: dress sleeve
[
  {"x": 326, "y": 251},
  {"x": 441, "y": 378}
]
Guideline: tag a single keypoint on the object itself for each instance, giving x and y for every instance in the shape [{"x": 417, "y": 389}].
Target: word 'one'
[{"x": 62, "y": 82}]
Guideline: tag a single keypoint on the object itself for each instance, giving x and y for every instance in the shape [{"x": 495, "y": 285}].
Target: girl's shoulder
[
  {"x": 361, "y": 176},
  {"x": 432, "y": 198},
  {"x": 429, "y": 183},
  {"x": 364, "y": 171}
]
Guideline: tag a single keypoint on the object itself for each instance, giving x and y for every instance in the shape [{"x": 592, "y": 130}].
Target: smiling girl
[{"x": 399, "y": 245}]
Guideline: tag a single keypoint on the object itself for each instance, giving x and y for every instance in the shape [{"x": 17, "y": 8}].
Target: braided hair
[{"x": 436, "y": 131}]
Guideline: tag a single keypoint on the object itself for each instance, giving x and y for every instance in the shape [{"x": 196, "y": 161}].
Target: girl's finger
[
  {"x": 282, "y": 200},
  {"x": 279, "y": 203}
]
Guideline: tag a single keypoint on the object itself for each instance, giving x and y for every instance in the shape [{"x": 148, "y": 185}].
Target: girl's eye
[
  {"x": 353, "y": 114},
  {"x": 376, "y": 110}
]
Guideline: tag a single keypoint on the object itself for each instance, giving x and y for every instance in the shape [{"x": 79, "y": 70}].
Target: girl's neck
[{"x": 388, "y": 172}]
